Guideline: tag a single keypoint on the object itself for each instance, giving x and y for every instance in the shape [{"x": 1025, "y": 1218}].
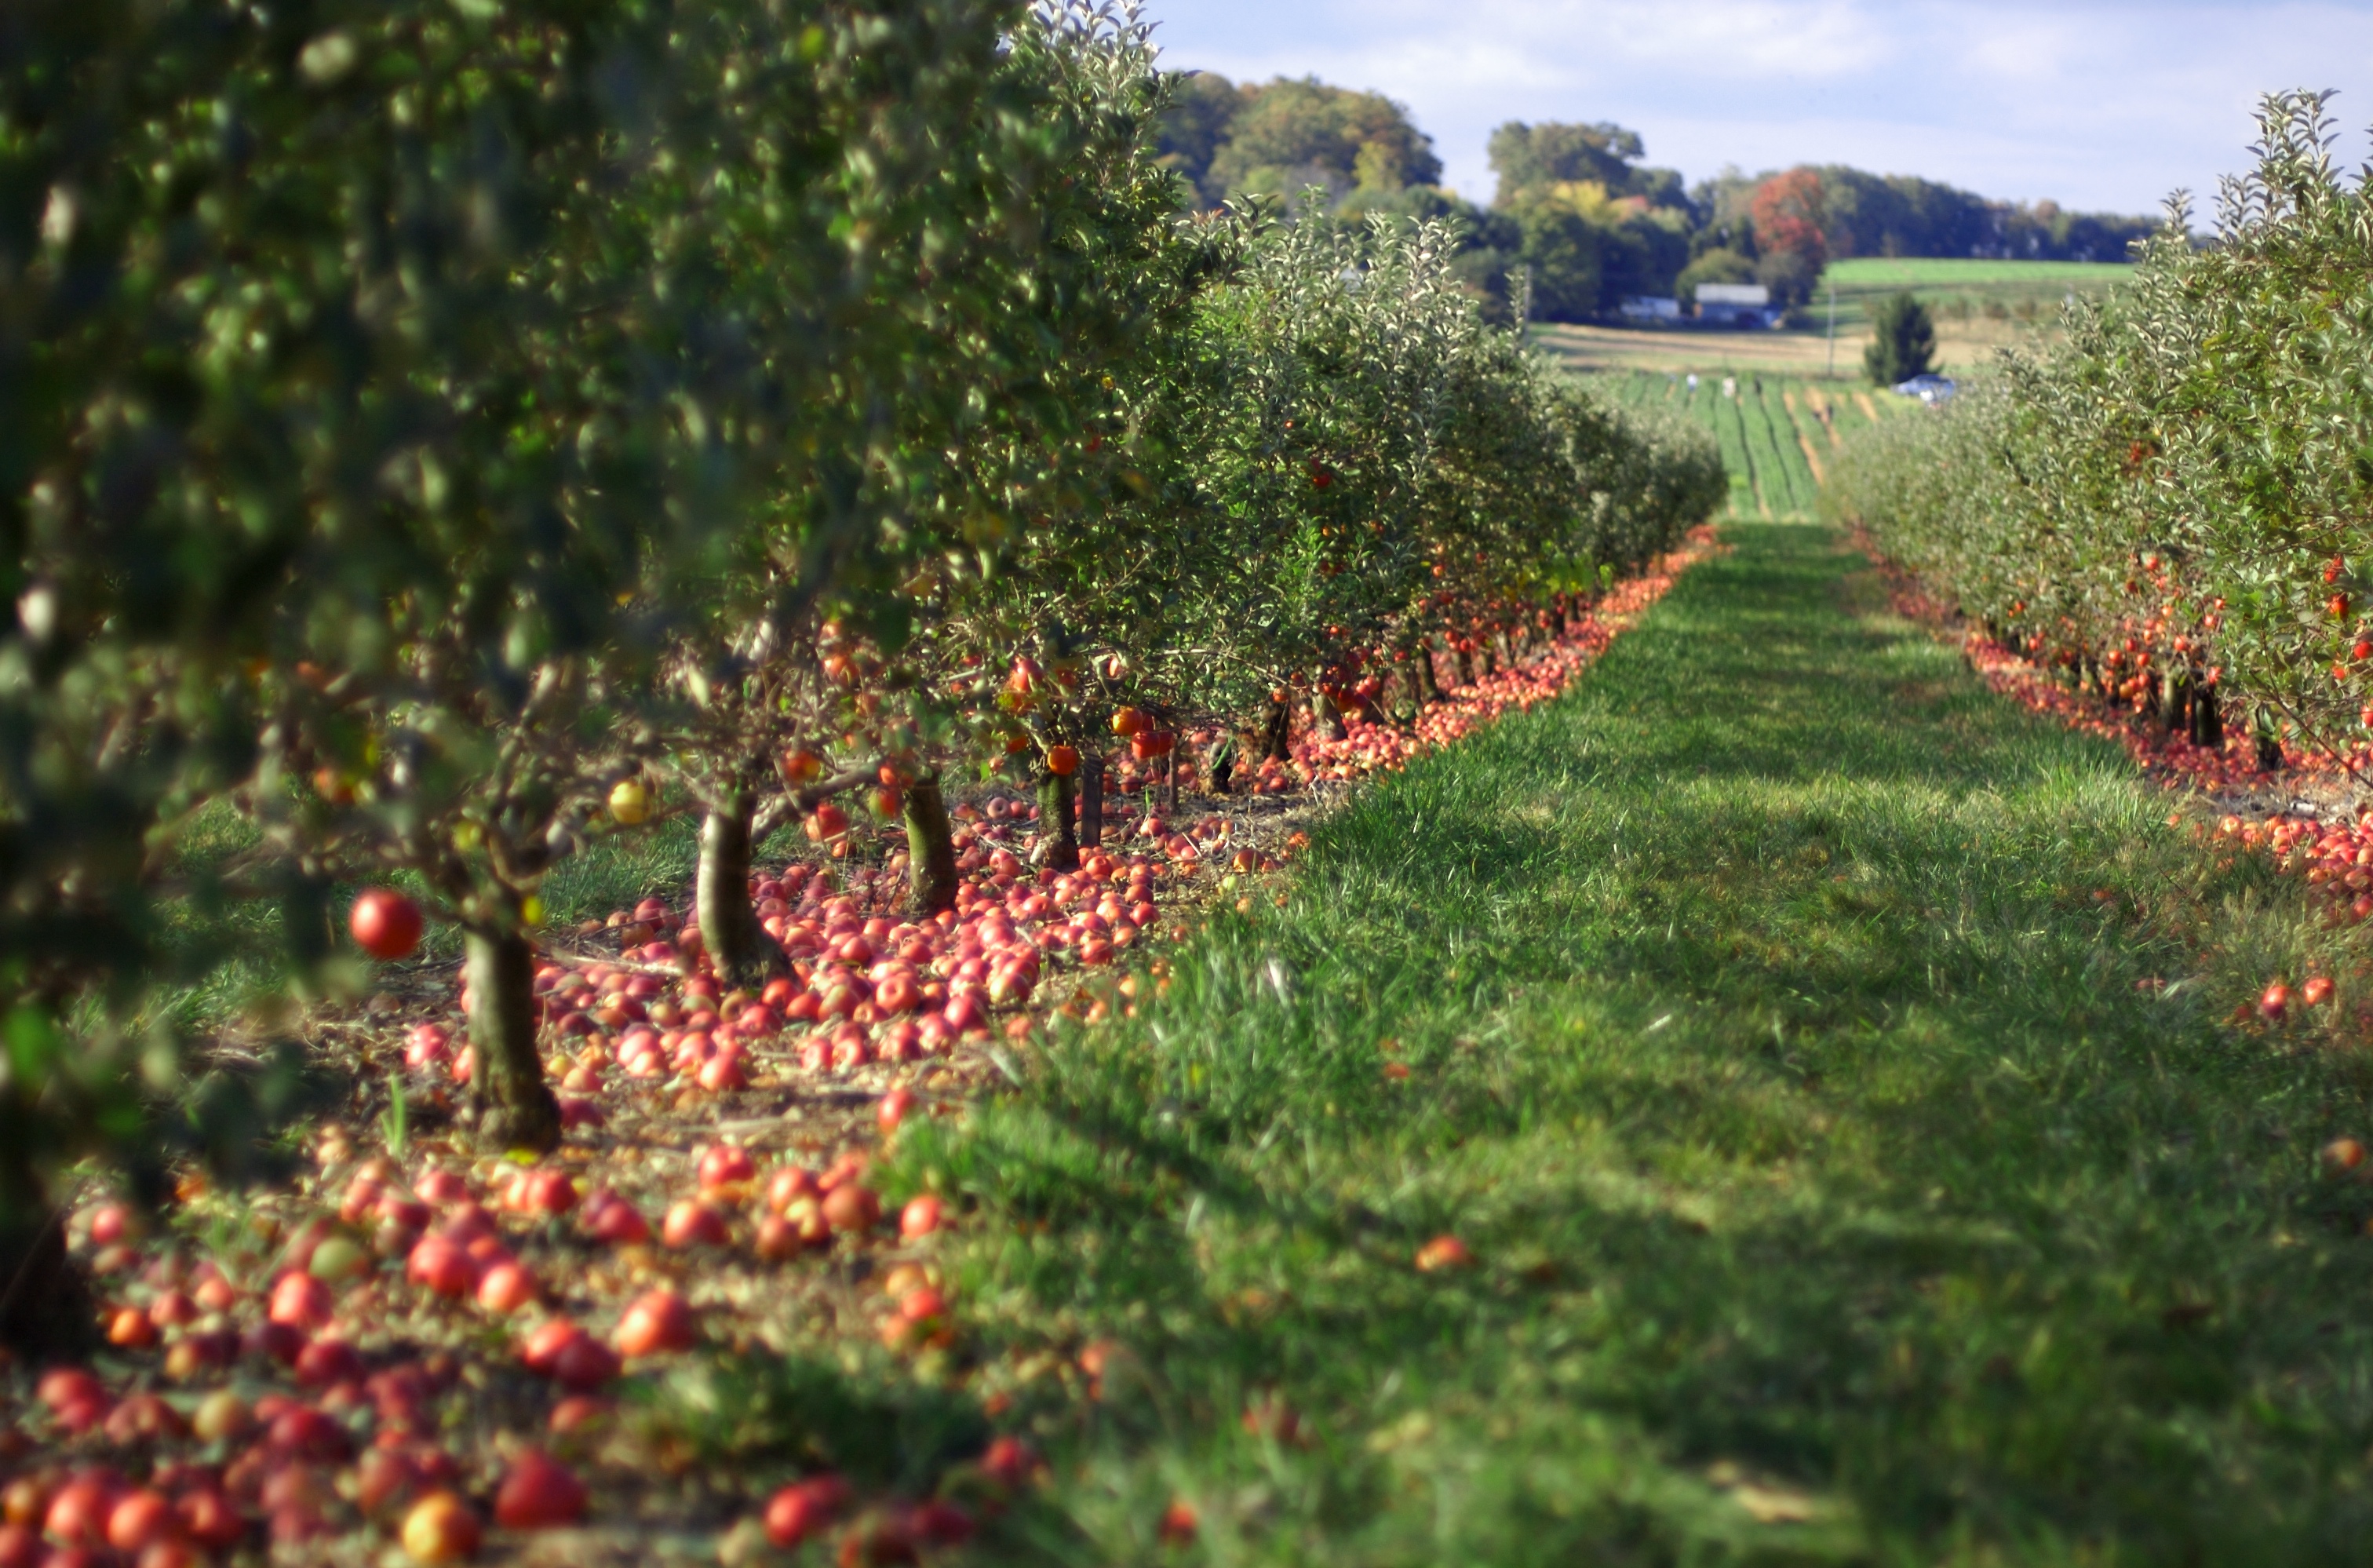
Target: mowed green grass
[
  {"x": 1905, "y": 272},
  {"x": 1963, "y": 293},
  {"x": 1778, "y": 1039}
]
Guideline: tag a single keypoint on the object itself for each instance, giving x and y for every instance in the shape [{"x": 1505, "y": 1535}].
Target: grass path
[{"x": 1835, "y": 1192}]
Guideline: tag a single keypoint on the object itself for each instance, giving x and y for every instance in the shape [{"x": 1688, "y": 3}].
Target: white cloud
[{"x": 2104, "y": 104}]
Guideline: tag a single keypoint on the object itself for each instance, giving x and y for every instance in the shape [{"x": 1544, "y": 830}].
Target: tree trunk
[
  {"x": 931, "y": 876},
  {"x": 743, "y": 956},
  {"x": 1325, "y": 716},
  {"x": 1220, "y": 766},
  {"x": 2270, "y": 743},
  {"x": 46, "y": 1311},
  {"x": 2175, "y": 702},
  {"x": 515, "y": 1107},
  {"x": 1276, "y": 736},
  {"x": 2207, "y": 718},
  {"x": 1092, "y": 801},
  {"x": 310, "y": 927},
  {"x": 1462, "y": 664},
  {"x": 1422, "y": 671},
  {"x": 1057, "y": 833}
]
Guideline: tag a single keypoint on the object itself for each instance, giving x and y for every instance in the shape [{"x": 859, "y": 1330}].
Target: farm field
[
  {"x": 1965, "y": 294},
  {"x": 1773, "y": 1021},
  {"x": 1978, "y": 306},
  {"x": 1776, "y": 433}
]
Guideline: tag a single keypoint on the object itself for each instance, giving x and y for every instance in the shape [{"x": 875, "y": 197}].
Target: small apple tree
[{"x": 969, "y": 376}]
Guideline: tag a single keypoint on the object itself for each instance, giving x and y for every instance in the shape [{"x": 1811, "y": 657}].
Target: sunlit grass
[{"x": 1839, "y": 1192}]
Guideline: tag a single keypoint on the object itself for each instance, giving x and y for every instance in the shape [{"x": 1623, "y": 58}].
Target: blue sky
[{"x": 2100, "y": 105}]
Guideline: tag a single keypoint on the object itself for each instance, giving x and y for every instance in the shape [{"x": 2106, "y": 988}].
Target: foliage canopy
[{"x": 2169, "y": 505}]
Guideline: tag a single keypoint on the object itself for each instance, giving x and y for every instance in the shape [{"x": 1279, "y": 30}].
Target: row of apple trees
[
  {"x": 427, "y": 430},
  {"x": 2170, "y": 505}
]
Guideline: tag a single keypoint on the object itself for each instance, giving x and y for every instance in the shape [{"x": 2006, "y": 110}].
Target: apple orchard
[{"x": 448, "y": 450}]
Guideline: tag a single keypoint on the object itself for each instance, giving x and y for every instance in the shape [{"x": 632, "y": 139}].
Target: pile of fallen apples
[
  {"x": 431, "y": 1349},
  {"x": 864, "y": 986},
  {"x": 287, "y": 1400},
  {"x": 2171, "y": 758}
]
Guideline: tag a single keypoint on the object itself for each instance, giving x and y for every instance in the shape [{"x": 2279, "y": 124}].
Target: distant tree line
[
  {"x": 1902, "y": 214},
  {"x": 1578, "y": 222}
]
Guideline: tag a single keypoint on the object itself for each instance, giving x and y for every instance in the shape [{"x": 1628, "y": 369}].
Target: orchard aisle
[{"x": 1839, "y": 1182}]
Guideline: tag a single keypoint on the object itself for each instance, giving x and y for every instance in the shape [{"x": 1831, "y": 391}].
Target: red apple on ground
[
  {"x": 805, "y": 1509},
  {"x": 693, "y": 1223},
  {"x": 441, "y": 1528},
  {"x": 657, "y": 1321},
  {"x": 539, "y": 1493}
]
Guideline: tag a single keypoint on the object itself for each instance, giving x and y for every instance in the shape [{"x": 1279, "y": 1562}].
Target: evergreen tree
[{"x": 1904, "y": 341}]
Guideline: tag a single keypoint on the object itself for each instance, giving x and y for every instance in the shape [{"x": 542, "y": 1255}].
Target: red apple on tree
[{"x": 385, "y": 924}]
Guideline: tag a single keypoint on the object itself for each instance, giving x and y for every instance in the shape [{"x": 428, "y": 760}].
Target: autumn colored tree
[{"x": 1788, "y": 218}]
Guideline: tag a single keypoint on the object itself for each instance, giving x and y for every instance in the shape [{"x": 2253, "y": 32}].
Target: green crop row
[{"x": 1762, "y": 438}]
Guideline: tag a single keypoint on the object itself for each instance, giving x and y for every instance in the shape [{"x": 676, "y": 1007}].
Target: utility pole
[{"x": 1833, "y": 331}]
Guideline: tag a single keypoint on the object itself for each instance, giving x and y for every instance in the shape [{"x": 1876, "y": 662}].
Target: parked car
[{"x": 1931, "y": 390}]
